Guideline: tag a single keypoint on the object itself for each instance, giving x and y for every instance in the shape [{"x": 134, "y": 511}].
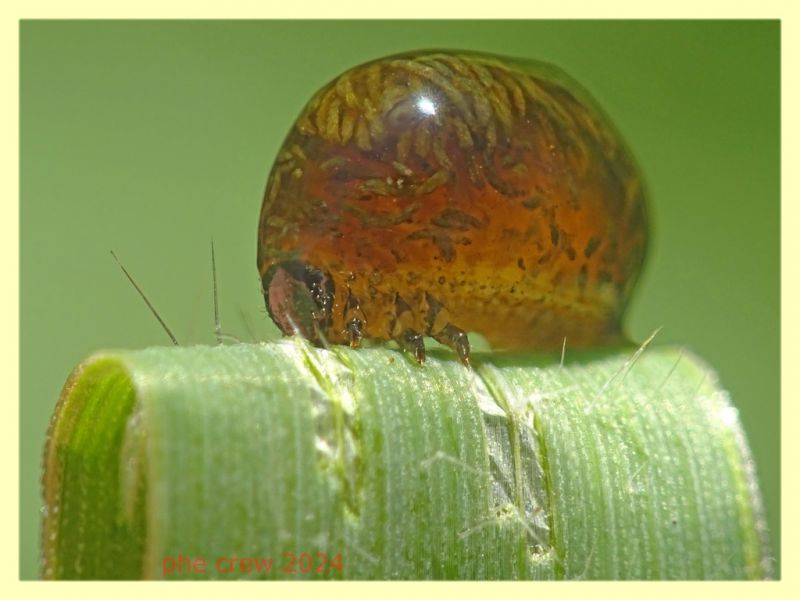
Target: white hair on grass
[{"x": 623, "y": 371}]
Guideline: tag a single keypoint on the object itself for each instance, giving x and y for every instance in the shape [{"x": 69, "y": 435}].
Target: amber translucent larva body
[{"x": 436, "y": 193}]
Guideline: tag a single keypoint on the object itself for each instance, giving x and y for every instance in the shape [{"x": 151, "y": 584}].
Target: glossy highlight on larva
[{"x": 436, "y": 193}]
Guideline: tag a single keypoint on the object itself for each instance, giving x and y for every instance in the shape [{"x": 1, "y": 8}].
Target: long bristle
[{"x": 149, "y": 305}]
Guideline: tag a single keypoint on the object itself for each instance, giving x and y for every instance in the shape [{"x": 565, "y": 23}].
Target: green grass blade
[{"x": 614, "y": 465}]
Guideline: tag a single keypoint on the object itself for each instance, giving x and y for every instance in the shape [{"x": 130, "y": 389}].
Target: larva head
[
  {"x": 299, "y": 299},
  {"x": 446, "y": 191}
]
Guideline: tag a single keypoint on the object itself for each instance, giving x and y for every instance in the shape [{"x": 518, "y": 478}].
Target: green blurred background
[{"x": 149, "y": 138}]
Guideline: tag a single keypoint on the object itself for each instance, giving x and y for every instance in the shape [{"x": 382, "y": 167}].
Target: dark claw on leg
[
  {"x": 412, "y": 341},
  {"x": 456, "y": 339}
]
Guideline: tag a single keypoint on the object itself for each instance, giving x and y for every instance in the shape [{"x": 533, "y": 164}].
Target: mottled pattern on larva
[{"x": 444, "y": 172}]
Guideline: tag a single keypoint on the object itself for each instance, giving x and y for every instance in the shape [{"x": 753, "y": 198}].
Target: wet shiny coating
[{"x": 436, "y": 193}]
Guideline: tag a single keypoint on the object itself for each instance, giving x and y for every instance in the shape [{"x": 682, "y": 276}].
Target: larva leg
[
  {"x": 354, "y": 332},
  {"x": 354, "y": 320},
  {"x": 439, "y": 327},
  {"x": 403, "y": 332},
  {"x": 456, "y": 339},
  {"x": 411, "y": 341}
]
